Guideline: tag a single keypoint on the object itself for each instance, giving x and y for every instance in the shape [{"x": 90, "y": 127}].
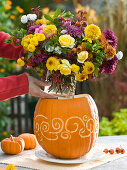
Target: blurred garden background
[{"x": 109, "y": 91}]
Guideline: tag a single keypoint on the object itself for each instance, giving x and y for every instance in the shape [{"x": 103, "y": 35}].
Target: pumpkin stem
[{"x": 11, "y": 137}]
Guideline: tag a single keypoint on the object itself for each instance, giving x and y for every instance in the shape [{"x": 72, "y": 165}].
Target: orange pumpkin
[
  {"x": 12, "y": 145},
  {"x": 66, "y": 128},
  {"x": 29, "y": 139}
]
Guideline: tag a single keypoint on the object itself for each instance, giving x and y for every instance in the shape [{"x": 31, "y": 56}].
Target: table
[{"x": 120, "y": 164}]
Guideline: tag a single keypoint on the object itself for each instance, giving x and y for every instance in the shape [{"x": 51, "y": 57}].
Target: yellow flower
[
  {"x": 11, "y": 167},
  {"x": 40, "y": 22},
  {"x": 30, "y": 36},
  {"x": 19, "y": 9},
  {"x": 81, "y": 77},
  {"x": 45, "y": 10},
  {"x": 34, "y": 41},
  {"x": 2, "y": 70},
  {"x": 31, "y": 48},
  {"x": 88, "y": 68},
  {"x": 82, "y": 56},
  {"x": 8, "y": 2},
  {"x": 12, "y": 17},
  {"x": 66, "y": 41},
  {"x": 52, "y": 63},
  {"x": 92, "y": 32},
  {"x": 7, "y": 7},
  {"x": 50, "y": 30},
  {"x": 40, "y": 37},
  {"x": 64, "y": 61},
  {"x": 5, "y": 133},
  {"x": 75, "y": 68},
  {"x": 64, "y": 69},
  {"x": 20, "y": 62}
]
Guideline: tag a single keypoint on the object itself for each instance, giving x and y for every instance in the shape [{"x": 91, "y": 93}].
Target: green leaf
[
  {"x": 67, "y": 14},
  {"x": 48, "y": 17},
  {"x": 57, "y": 12},
  {"x": 30, "y": 55}
]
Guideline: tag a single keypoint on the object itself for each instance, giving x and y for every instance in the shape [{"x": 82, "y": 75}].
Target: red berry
[
  {"x": 106, "y": 151},
  {"x": 79, "y": 48},
  {"x": 118, "y": 150},
  {"x": 122, "y": 151},
  {"x": 78, "y": 24},
  {"x": 111, "y": 151},
  {"x": 74, "y": 50}
]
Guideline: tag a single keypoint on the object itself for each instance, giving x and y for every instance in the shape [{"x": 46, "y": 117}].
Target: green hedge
[{"x": 117, "y": 126}]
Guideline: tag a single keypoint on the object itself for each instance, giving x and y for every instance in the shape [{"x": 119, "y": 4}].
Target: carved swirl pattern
[{"x": 55, "y": 128}]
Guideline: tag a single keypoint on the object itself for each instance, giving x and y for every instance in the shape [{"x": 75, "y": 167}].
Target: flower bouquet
[{"x": 63, "y": 49}]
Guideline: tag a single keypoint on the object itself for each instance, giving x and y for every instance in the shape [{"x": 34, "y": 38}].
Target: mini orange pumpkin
[
  {"x": 29, "y": 139},
  {"x": 12, "y": 145},
  {"x": 66, "y": 128}
]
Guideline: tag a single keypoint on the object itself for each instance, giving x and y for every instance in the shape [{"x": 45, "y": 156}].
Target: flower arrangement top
[{"x": 66, "y": 47}]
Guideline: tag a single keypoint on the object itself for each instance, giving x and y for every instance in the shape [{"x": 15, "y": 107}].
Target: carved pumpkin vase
[{"x": 66, "y": 128}]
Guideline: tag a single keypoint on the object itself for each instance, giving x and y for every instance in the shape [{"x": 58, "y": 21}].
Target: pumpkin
[
  {"x": 66, "y": 128},
  {"x": 12, "y": 145},
  {"x": 29, "y": 139}
]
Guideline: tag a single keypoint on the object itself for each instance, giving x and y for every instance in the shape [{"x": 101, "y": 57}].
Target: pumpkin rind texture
[
  {"x": 66, "y": 128},
  {"x": 13, "y": 145},
  {"x": 30, "y": 140}
]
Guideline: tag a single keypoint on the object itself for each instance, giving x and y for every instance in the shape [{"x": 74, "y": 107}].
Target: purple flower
[
  {"x": 71, "y": 57},
  {"x": 72, "y": 29},
  {"x": 110, "y": 37},
  {"x": 32, "y": 29},
  {"x": 63, "y": 20},
  {"x": 109, "y": 66},
  {"x": 39, "y": 58}
]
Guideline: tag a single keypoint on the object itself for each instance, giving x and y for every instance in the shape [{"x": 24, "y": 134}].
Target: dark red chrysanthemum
[
  {"x": 109, "y": 66},
  {"x": 110, "y": 37}
]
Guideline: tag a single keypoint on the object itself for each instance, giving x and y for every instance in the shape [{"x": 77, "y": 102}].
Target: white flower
[
  {"x": 31, "y": 17},
  {"x": 64, "y": 61},
  {"x": 49, "y": 48},
  {"x": 24, "y": 19},
  {"x": 119, "y": 55},
  {"x": 58, "y": 50},
  {"x": 63, "y": 31}
]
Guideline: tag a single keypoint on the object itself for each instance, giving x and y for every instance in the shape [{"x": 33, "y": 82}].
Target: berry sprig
[{"x": 112, "y": 151}]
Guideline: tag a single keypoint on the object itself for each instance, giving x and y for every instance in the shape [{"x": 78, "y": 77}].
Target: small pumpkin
[
  {"x": 29, "y": 139},
  {"x": 12, "y": 145}
]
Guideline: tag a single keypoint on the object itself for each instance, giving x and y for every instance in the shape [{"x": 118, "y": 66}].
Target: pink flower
[{"x": 40, "y": 29}]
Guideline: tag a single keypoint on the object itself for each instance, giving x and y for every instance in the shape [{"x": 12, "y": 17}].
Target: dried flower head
[{"x": 110, "y": 52}]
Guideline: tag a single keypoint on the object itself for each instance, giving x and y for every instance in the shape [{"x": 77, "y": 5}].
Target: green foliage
[
  {"x": 99, "y": 55},
  {"x": 3, "y": 119},
  {"x": 48, "y": 17},
  {"x": 117, "y": 126},
  {"x": 57, "y": 23},
  {"x": 6, "y": 23},
  {"x": 55, "y": 19},
  {"x": 6, "y": 67},
  {"x": 57, "y": 13},
  {"x": 67, "y": 14}
]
